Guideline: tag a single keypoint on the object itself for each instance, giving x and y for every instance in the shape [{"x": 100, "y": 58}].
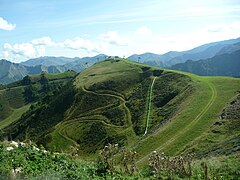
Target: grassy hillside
[
  {"x": 116, "y": 101},
  {"x": 201, "y": 110},
  {"x": 16, "y": 98},
  {"x": 106, "y": 103}
]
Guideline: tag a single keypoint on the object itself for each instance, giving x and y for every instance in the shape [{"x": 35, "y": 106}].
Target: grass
[
  {"x": 183, "y": 107},
  {"x": 21, "y": 160},
  {"x": 105, "y": 104},
  {"x": 16, "y": 114},
  {"x": 10, "y": 100},
  {"x": 200, "y": 111},
  {"x": 103, "y": 91}
]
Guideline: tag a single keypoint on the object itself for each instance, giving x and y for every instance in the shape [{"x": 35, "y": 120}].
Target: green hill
[
  {"x": 16, "y": 98},
  {"x": 134, "y": 105},
  {"x": 106, "y": 103}
]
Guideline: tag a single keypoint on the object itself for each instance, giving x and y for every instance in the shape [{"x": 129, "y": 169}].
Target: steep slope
[
  {"x": 199, "y": 113},
  {"x": 16, "y": 98},
  {"x": 106, "y": 103},
  {"x": 230, "y": 49},
  {"x": 10, "y": 72},
  {"x": 222, "y": 138},
  {"x": 220, "y": 65},
  {"x": 110, "y": 102}
]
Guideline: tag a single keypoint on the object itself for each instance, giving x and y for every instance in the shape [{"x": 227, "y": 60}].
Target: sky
[{"x": 79, "y": 28}]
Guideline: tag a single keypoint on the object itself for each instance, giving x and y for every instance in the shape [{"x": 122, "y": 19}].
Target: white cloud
[
  {"x": 143, "y": 31},
  {"x": 5, "y": 25},
  {"x": 23, "y": 50},
  {"x": 113, "y": 38},
  {"x": 38, "y": 47},
  {"x": 46, "y": 41},
  {"x": 142, "y": 40},
  {"x": 81, "y": 44}
]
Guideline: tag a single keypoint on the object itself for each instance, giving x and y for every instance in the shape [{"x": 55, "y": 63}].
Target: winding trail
[
  {"x": 87, "y": 117},
  {"x": 188, "y": 127},
  {"x": 127, "y": 111},
  {"x": 149, "y": 106}
]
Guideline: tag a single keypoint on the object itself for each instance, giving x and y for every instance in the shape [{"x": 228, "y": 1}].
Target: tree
[
  {"x": 26, "y": 80},
  {"x": 44, "y": 82},
  {"x": 30, "y": 93},
  {"x": 43, "y": 79}
]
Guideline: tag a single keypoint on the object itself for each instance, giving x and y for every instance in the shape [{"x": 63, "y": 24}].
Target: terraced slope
[
  {"x": 117, "y": 101},
  {"x": 106, "y": 103},
  {"x": 200, "y": 111},
  {"x": 112, "y": 106}
]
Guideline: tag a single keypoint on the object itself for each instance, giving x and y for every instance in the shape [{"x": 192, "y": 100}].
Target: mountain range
[
  {"x": 202, "y": 52},
  {"x": 220, "y": 65},
  {"x": 202, "y": 60},
  {"x": 10, "y": 72}
]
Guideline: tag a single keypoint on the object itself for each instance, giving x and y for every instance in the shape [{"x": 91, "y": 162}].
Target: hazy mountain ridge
[
  {"x": 11, "y": 72},
  {"x": 48, "y": 61},
  {"x": 220, "y": 65},
  {"x": 171, "y": 58}
]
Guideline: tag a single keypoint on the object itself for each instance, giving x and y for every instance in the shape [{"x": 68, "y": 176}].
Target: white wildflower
[
  {"x": 14, "y": 144},
  {"x": 154, "y": 152},
  {"x": 10, "y": 148},
  {"x": 18, "y": 170},
  {"x": 35, "y": 148}
]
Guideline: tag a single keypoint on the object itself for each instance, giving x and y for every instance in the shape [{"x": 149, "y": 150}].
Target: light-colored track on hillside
[
  {"x": 149, "y": 106},
  {"x": 127, "y": 111},
  {"x": 87, "y": 118},
  {"x": 177, "y": 135}
]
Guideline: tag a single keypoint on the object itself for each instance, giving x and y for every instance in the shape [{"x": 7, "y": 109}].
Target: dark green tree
[
  {"x": 30, "y": 93},
  {"x": 44, "y": 82},
  {"x": 26, "y": 80}
]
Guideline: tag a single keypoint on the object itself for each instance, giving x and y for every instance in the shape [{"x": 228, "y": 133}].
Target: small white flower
[
  {"x": 14, "y": 144},
  {"x": 10, "y": 148},
  {"x": 18, "y": 170},
  {"x": 44, "y": 151},
  {"x": 154, "y": 152},
  {"x": 35, "y": 148}
]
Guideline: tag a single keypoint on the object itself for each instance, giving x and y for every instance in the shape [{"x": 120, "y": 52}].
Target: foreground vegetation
[{"x": 27, "y": 161}]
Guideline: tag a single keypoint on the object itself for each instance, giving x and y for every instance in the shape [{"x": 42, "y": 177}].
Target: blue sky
[{"x": 71, "y": 28}]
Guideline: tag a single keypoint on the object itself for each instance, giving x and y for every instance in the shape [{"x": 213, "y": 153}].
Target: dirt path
[
  {"x": 189, "y": 126},
  {"x": 127, "y": 111},
  {"x": 149, "y": 106}
]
